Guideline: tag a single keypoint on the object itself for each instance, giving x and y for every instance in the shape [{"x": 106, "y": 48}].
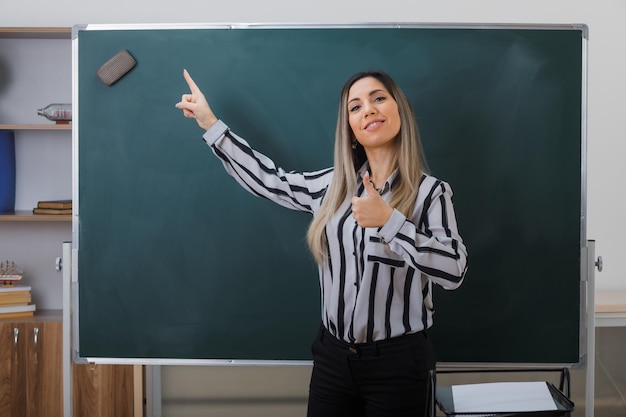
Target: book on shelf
[
  {"x": 14, "y": 288},
  {"x": 17, "y": 315},
  {"x": 55, "y": 204},
  {"x": 17, "y": 311},
  {"x": 38, "y": 210},
  {"x": 10, "y": 298}
]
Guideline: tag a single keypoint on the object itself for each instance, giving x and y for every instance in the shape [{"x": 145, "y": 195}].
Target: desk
[{"x": 610, "y": 307}]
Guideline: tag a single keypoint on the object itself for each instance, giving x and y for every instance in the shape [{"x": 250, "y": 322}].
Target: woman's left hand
[{"x": 370, "y": 210}]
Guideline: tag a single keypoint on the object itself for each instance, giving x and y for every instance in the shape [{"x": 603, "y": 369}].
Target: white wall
[{"x": 606, "y": 203}]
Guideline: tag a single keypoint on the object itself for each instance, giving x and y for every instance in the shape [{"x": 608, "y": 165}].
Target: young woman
[{"x": 383, "y": 231}]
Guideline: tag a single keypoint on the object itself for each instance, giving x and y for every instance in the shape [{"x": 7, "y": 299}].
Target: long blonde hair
[{"x": 347, "y": 161}]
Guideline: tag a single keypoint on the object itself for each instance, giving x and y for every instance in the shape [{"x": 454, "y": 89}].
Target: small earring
[{"x": 353, "y": 143}]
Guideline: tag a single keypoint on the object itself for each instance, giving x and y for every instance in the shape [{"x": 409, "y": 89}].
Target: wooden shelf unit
[
  {"x": 60, "y": 126},
  {"x": 35, "y": 32},
  {"x": 27, "y": 216},
  {"x": 99, "y": 391}
]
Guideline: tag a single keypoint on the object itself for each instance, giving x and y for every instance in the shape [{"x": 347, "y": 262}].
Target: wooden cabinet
[
  {"x": 31, "y": 377},
  {"x": 35, "y": 70},
  {"x": 104, "y": 390}
]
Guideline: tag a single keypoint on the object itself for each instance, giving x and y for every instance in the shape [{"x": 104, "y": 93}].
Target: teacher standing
[{"x": 383, "y": 231}]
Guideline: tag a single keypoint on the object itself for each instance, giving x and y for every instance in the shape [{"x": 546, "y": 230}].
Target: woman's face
[{"x": 372, "y": 113}]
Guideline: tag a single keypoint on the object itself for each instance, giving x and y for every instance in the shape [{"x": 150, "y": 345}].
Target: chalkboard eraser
[{"x": 116, "y": 67}]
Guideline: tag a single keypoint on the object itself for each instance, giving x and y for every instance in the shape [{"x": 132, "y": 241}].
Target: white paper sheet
[{"x": 502, "y": 397}]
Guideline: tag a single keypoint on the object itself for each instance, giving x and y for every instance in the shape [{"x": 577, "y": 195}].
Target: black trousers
[{"x": 379, "y": 379}]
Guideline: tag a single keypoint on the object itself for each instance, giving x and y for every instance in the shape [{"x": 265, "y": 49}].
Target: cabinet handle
[
  {"x": 35, "y": 337},
  {"x": 16, "y": 333}
]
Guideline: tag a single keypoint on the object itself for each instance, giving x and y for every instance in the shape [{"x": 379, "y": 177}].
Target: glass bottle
[{"x": 57, "y": 112}]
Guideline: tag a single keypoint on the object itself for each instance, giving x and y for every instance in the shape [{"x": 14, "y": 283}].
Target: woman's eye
[
  {"x": 380, "y": 98},
  {"x": 354, "y": 108}
]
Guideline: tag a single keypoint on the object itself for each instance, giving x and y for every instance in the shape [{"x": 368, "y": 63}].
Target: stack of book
[
  {"x": 15, "y": 302},
  {"x": 53, "y": 207}
]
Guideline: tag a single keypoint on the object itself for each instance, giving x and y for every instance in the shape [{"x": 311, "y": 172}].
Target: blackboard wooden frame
[{"x": 87, "y": 216}]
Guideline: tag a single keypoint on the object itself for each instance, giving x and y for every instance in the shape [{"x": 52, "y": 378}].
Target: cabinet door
[
  {"x": 12, "y": 370},
  {"x": 103, "y": 390},
  {"x": 6, "y": 361},
  {"x": 45, "y": 368}
]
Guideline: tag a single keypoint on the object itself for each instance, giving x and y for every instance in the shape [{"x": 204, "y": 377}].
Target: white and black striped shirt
[{"x": 376, "y": 282}]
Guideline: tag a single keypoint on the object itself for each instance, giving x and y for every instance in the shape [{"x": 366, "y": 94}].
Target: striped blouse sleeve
[
  {"x": 430, "y": 241},
  {"x": 259, "y": 175}
]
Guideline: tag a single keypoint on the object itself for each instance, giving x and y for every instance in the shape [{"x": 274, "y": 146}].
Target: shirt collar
[{"x": 386, "y": 186}]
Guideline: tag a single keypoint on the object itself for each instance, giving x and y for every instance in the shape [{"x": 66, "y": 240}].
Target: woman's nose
[{"x": 369, "y": 108}]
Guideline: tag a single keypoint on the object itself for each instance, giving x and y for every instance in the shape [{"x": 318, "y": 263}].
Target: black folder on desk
[{"x": 564, "y": 406}]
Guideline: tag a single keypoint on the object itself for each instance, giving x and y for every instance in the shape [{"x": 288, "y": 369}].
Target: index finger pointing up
[{"x": 190, "y": 82}]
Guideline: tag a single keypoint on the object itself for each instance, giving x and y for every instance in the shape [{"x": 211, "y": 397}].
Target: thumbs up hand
[{"x": 370, "y": 210}]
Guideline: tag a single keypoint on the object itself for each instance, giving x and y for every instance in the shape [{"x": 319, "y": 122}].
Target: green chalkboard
[{"x": 176, "y": 261}]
